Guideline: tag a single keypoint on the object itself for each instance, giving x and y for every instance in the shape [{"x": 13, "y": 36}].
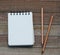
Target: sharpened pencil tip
[{"x": 42, "y": 52}]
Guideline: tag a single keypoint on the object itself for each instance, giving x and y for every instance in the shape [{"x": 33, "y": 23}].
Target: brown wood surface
[
  {"x": 51, "y": 7},
  {"x": 44, "y": 0},
  {"x": 36, "y": 18},
  {"x": 28, "y": 51},
  {"x": 33, "y": 5},
  {"x": 53, "y": 41},
  {"x": 55, "y": 30}
]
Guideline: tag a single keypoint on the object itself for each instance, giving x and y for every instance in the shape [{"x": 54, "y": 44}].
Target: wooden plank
[
  {"x": 28, "y": 51},
  {"x": 36, "y": 18},
  {"x": 53, "y": 41},
  {"x": 33, "y": 6},
  {"x": 44, "y": 0},
  {"x": 3, "y": 16},
  {"x": 3, "y": 29},
  {"x": 55, "y": 30}
]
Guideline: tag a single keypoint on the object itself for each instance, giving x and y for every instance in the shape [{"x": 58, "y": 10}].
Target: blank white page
[{"x": 20, "y": 29}]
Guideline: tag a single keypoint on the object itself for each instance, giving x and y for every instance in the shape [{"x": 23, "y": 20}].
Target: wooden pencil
[
  {"x": 46, "y": 38},
  {"x": 42, "y": 26}
]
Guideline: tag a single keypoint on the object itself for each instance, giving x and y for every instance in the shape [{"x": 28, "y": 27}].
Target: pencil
[
  {"x": 46, "y": 38},
  {"x": 42, "y": 26}
]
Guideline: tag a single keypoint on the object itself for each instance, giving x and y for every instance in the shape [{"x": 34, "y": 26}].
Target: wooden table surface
[{"x": 51, "y": 7}]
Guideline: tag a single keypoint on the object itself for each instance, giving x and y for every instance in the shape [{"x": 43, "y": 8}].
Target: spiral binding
[{"x": 20, "y": 13}]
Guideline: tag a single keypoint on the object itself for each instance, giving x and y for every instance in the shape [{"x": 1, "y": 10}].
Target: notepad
[{"x": 20, "y": 29}]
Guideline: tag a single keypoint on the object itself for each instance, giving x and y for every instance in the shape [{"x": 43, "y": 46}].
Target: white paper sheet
[{"x": 20, "y": 29}]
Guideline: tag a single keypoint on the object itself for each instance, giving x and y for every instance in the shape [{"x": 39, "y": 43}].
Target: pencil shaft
[
  {"x": 46, "y": 38},
  {"x": 42, "y": 24}
]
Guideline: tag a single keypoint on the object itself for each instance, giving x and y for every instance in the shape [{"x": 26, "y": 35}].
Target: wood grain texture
[
  {"x": 45, "y": 0},
  {"x": 51, "y": 7},
  {"x": 36, "y": 18},
  {"x": 55, "y": 30},
  {"x": 34, "y": 6},
  {"x": 28, "y": 51},
  {"x": 53, "y": 41}
]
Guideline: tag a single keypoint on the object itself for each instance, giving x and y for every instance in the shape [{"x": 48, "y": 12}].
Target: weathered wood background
[{"x": 51, "y": 7}]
